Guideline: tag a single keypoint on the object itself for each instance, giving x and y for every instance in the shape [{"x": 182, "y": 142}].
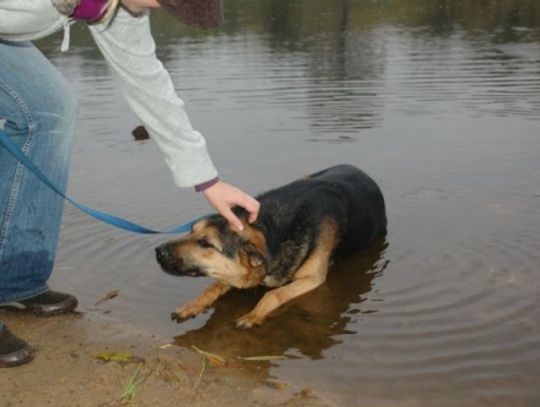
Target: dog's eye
[{"x": 205, "y": 244}]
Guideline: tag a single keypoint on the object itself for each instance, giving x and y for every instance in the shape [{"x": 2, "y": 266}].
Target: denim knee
[
  {"x": 39, "y": 105},
  {"x": 55, "y": 109}
]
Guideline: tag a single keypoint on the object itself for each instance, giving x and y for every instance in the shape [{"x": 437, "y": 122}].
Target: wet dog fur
[{"x": 301, "y": 227}]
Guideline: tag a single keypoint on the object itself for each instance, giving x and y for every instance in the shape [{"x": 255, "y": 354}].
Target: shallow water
[{"x": 439, "y": 102}]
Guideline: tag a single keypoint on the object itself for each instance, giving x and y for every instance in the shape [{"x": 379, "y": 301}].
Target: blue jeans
[{"x": 38, "y": 111}]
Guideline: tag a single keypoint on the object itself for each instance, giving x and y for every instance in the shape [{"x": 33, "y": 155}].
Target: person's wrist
[{"x": 206, "y": 185}]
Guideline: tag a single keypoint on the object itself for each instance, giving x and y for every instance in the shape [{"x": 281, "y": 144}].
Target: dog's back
[
  {"x": 365, "y": 220},
  {"x": 343, "y": 192}
]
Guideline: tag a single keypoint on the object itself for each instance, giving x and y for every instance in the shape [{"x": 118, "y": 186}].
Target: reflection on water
[{"x": 439, "y": 101}]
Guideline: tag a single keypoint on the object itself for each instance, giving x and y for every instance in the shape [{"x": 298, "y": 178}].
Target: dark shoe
[
  {"x": 46, "y": 304},
  {"x": 13, "y": 350}
]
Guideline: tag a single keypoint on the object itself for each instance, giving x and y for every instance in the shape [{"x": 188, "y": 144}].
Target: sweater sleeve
[{"x": 129, "y": 49}]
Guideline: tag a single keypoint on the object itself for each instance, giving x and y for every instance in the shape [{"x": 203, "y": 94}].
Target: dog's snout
[
  {"x": 168, "y": 258},
  {"x": 164, "y": 254},
  {"x": 161, "y": 253}
]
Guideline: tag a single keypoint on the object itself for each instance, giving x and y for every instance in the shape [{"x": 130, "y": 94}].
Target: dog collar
[{"x": 90, "y": 10}]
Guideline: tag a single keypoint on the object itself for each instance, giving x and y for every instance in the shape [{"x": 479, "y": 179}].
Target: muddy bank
[{"x": 67, "y": 371}]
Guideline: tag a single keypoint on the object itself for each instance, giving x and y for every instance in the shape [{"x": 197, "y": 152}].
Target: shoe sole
[
  {"x": 20, "y": 357},
  {"x": 65, "y": 308}
]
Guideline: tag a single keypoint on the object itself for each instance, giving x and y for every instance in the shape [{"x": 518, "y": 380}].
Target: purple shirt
[{"x": 90, "y": 10}]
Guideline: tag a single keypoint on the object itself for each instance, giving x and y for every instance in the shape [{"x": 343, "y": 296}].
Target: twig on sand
[
  {"x": 261, "y": 358},
  {"x": 109, "y": 296},
  {"x": 212, "y": 358}
]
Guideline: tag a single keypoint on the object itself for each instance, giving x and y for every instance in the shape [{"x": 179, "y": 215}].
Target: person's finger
[
  {"x": 252, "y": 217},
  {"x": 253, "y": 210},
  {"x": 231, "y": 218},
  {"x": 251, "y": 205}
]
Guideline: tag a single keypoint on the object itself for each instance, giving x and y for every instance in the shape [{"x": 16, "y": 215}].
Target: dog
[{"x": 301, "y": 228}]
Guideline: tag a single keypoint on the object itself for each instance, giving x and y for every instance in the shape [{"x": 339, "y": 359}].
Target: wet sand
[{"x": 67, "y": 372}]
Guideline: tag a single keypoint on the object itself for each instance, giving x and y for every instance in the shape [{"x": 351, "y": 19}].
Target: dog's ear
[
  {"x": 254, "y": 258},
  {"x": 253, "y": 247}
]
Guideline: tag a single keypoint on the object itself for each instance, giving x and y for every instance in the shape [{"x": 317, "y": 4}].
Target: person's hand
[{"x": 223, "y": 197}]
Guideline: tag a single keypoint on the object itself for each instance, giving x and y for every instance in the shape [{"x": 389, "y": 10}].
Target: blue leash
[{"x": 14, "y": 150}]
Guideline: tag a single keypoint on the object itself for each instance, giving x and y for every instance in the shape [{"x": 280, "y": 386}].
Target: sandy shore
[{"x": 67, "y": 372}]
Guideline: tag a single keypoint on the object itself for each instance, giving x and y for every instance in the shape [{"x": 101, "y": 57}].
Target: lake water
[{"x": 438, "y": 101}]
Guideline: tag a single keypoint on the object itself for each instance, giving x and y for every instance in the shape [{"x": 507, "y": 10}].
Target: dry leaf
[{"x": 123, "y": 357}]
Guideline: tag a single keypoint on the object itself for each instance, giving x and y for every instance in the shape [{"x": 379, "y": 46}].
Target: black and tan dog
[{"x": 300, "y": 228}]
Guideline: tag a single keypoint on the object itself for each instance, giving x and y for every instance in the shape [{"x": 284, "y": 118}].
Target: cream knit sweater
[{"x": 129, "y": 49}]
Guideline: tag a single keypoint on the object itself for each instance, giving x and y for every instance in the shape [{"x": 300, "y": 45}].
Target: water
[{"x": 438, "y": 101}]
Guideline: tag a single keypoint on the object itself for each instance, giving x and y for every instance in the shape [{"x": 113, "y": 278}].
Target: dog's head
[{"x": 215, "y": 249}]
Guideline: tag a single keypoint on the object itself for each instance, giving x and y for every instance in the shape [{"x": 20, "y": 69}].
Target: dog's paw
[
  {"x": 249, "y": 321},
  {"x": 185, "y": 312},
  {"x": 175, "y": 316}
]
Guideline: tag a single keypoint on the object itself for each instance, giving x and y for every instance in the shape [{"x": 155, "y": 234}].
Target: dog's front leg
[
  {"x": 199, "y": 304},
  {"x": 274, "y": 299},
  {"x": 308, "y": 277}
]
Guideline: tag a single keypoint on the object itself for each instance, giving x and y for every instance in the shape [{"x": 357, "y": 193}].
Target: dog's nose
[{"x": 161, "y": 253}]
